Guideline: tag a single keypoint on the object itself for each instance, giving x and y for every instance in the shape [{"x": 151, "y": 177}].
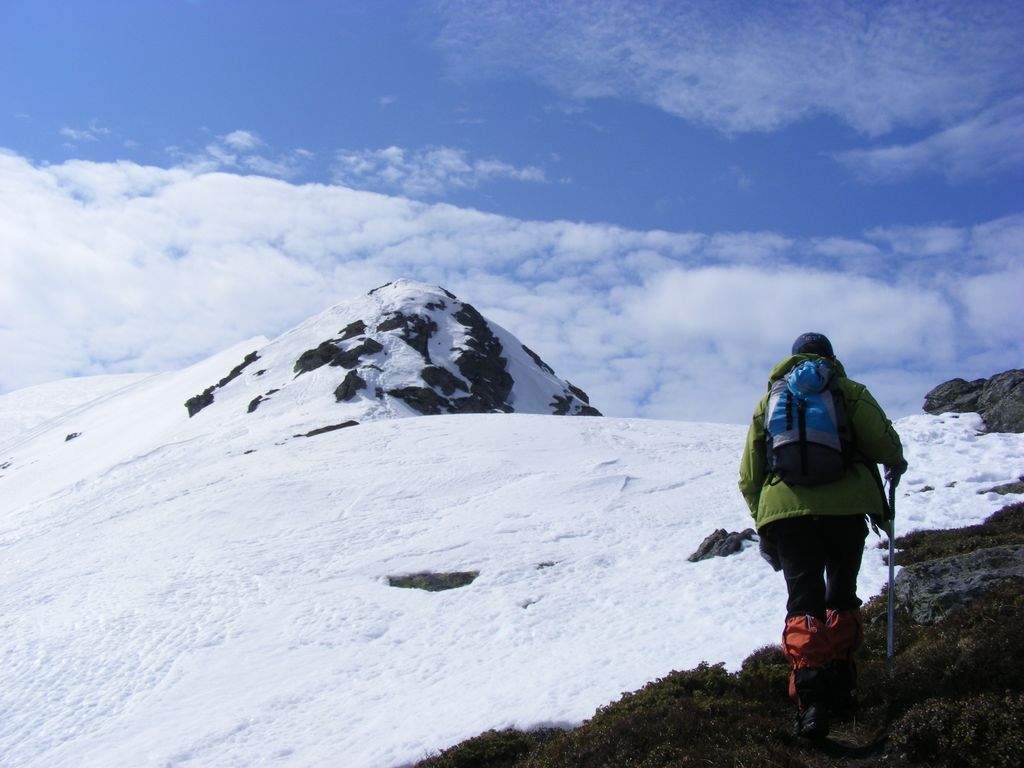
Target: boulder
[
  {"x": 1001, "y": 403},
  {"x": 434, "y": 582},
  {"x": 1006, "y": 488},
  {"x": 999, "y": 400},
  {"x": 930, "y": 590},
  {"x": 722, "y": 543},
  {"x": 348, "y": 388},
  {"x": 954, "y": 396}
]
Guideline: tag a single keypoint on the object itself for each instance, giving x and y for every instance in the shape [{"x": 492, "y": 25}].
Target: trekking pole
[{"x": 891, "y": 617}]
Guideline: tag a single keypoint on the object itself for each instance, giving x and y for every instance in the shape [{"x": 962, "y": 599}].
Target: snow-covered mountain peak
[{"x": 404, "y": 349}]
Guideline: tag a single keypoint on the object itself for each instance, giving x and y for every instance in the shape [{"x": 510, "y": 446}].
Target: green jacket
[{"x": 858, "y": 492}]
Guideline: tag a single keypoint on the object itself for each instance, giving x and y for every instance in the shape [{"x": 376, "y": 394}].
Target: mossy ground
[
  {"x": 1003, "y": 527},
  {"x": 955, "y": 698}
]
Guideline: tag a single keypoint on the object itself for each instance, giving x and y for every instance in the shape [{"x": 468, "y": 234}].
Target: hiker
[{"x": 809, "y": 475}]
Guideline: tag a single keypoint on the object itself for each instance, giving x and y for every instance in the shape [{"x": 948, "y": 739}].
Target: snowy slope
[
  {"x": 27, "y": 408},
  {"x": 212, "y": 591}
]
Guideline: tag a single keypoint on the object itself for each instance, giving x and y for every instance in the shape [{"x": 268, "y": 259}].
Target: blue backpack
[{"x": 807, "y": 437}]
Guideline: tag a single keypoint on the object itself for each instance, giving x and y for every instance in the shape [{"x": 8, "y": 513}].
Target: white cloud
[
  {"x": 92, "y": 132},
  {"x": 752, "y": 67},
  {"x": 427, "y": 172},
  {"x": 984, "y": 145},
  {"x": 935, "y": 240},
  {"x": 115, "y": 266},
  {"x": 386, "y": 101},
  {"x": 241, "y": 141},
  {"x": 238, "y": 150}
]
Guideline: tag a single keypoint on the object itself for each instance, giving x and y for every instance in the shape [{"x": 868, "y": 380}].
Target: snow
[
  {"x": 27, "y": 408},
  {"x": 169, "y": 598}
]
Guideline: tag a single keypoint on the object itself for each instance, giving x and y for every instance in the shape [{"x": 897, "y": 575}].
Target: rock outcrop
[
  {"x": 931, "y": 589},
  {"x": 722, "y": 543},
  {"x": 999, "y": 400},
  {"x": 404, "y": 349},
  {"x": 195, "y": 404}
]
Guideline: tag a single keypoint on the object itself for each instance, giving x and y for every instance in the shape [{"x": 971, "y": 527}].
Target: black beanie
[{"x": 813, "y": 344}]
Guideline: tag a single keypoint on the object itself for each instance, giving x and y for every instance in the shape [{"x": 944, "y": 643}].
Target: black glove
[{"x": 894, "y": 472}]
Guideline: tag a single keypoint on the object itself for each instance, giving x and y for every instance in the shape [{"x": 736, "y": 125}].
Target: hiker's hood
[{"x": 791, "y": 362}]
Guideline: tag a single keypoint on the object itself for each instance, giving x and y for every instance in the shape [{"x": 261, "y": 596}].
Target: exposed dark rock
[
  {"x": 350, "y": 357},
  {"x": 434, "y": 582},
  {"x": 255, "y": 402},
  {"x": 196, "y": 403},
  {"x": 328, "y": 428},
  {"x": 1006, "y": 488},
  {"x": 421, "y": 399},
  {"x": 925, "y": 489},
  {"x": 260, "y": 372},
  {"x": 379, "y": 288},
  {"x": 312, "y": 359},
  {"x": 545, "y": 564},
  {"x": 356, "y": 328},
  {"x": 1001, "y": 403},
  {"x": 476, "y": 404},
  {"x": 449, "y": 294},
  {"x": 436, "y": 305},
  {"x": 72, "y": 436},
  {"x": 416, "y": 331},
  {"x": 561, "y": 405},
  {"x": 930, "y": 590},
  {"x": 234, "y": 373},
  {"x": 578, "y": 392},
  {"x": 589, "y": 410},
  {"x": 378, "y": 393},
  {"x": 443, "y": 379},
  {"x": 328, "y": 353},
  {"x": 251, "y": 450},
  {"x": 721, "y": 543},
  {"x": 536, "y": 359},
  {"x": 394, "y": 322},
  {"x": 482, "y": 364},
  {"x": 348, "y": 388},
  {"x": 999, "y": 400},
  {"x": 5, "y": 465},
  {"x": 954, "y": 396}
]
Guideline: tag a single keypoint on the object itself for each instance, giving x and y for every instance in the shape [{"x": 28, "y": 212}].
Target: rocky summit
[
  {"x": 998, "y": 399},
  {"x": 404, "y": 349}
]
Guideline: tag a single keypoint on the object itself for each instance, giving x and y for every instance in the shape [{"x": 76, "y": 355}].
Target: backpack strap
[{"x": 847, "y": 440}]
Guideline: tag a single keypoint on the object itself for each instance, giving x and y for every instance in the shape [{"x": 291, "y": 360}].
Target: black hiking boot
[
  {"x": 812, "y": 722},
  {"x": 812, "y": 702},
  {"x": 841, "y": 681}
]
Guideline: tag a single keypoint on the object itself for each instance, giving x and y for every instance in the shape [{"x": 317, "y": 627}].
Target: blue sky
[
  {"x": 877, "y": 141},
  {"x": 322, "y": 76}
]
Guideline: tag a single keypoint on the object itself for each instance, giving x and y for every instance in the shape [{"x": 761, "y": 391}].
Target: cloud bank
[{"x": 108, "y": 267}]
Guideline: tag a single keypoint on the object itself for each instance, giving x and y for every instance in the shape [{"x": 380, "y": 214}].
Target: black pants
[{"x": 820, "y": 556}]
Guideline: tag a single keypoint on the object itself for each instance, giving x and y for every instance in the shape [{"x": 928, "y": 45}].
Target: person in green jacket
[{"x": 810, "y": 478}]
